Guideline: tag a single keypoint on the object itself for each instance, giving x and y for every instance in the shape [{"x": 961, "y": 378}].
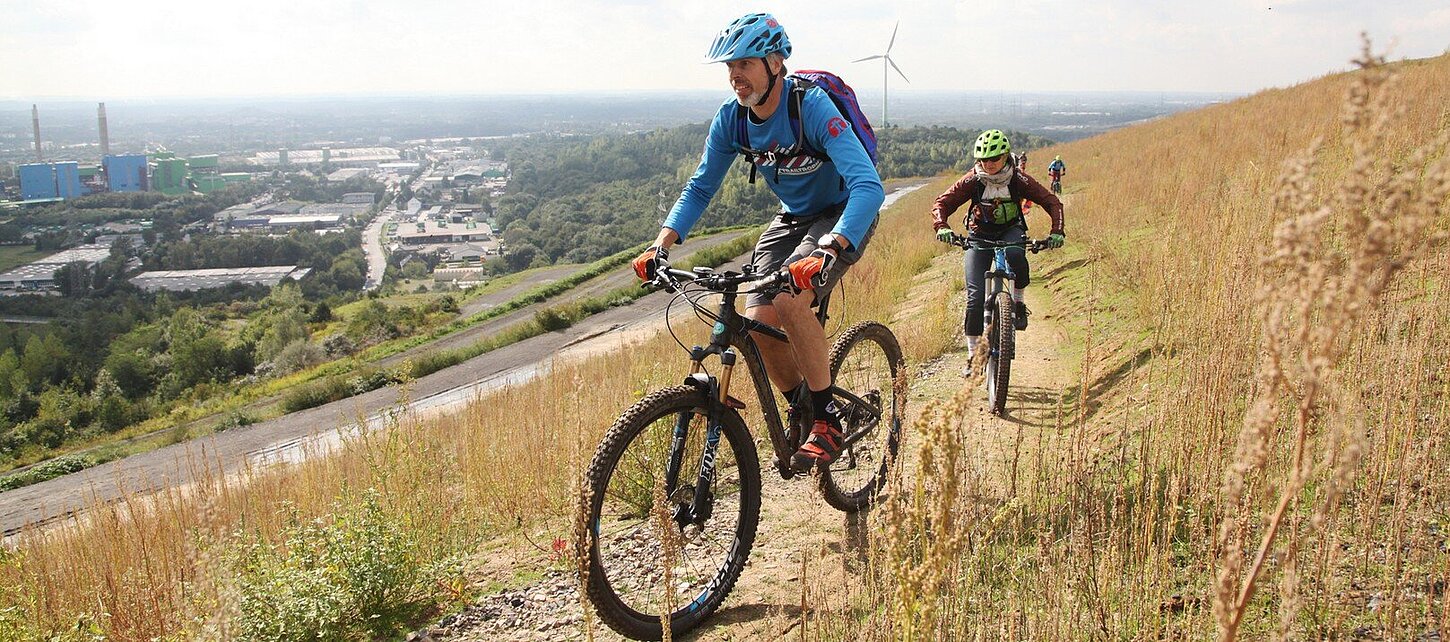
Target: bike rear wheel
[
  {"x": 999, "y": 360},
  {"x": 867, "y": 364},
  {"x": 701, "y": 554}
]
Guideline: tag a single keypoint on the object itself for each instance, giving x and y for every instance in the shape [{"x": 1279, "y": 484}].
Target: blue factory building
[
  {"x": 51, "y": 180},
  {"x": 68, "y": 180},
  {"x": 125, "y": 173},
  {"x": 37, "y": 180}
]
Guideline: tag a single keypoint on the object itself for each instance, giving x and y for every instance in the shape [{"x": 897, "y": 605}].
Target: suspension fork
[{"x": 718, "y": 390}]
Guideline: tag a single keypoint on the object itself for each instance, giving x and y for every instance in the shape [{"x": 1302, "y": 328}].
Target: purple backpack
[{"x": 841, "y": 94}]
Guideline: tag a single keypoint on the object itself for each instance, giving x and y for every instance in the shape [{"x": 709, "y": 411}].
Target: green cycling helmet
[{"x": 991, "y": 143}]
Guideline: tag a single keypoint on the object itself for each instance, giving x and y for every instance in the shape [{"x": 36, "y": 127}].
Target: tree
[
  {"x": 284, "y": 329},
  {"x": 45, "y": 360},
  {"x": 521, "y": 256},
  {"x": 133, "y": 373},
  {"x": 415, "y": 270}
]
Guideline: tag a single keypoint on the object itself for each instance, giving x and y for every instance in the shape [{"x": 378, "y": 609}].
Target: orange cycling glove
[
  {"x": 649, "y": 261},
  {"x": 811, "y": 272}
]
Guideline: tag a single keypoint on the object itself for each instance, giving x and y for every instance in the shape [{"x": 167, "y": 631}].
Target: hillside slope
[{"x": 1255, "y": 442}]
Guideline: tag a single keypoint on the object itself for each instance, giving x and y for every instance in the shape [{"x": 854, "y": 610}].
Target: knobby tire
[
  {"x": 1004, "y": 332},
  {"x": 852, "y": 481},
  {"x": 696, "y": 604}
]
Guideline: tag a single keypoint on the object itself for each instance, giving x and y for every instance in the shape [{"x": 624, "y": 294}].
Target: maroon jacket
[{"x": 969, "y": 189}]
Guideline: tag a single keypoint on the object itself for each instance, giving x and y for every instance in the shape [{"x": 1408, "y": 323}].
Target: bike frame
[
  {"x": 996, "y": 278},
  {"x": 732, "y": 332},
  {"x": 1000, "y": 274}
]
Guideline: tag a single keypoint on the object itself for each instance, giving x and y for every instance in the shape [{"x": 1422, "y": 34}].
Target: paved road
[
  {"x": 279, "y": 439},
  {"x": 373, "y": 248}
]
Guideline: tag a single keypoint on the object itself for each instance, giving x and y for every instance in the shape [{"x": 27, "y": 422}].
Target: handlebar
[
  {"x": 969, "y": 243},
  {"x": 728, "y": 281}
]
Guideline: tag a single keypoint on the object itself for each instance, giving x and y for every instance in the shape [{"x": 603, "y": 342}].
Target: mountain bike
[
  {"x": 1056, "y": 183},
  {"x": 997, "y": 314},
  {"x": 674, "y": 489}
]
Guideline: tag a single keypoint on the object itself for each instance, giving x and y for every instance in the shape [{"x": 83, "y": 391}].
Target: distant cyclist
[
  {"x": 829, "y": 201},
  {"x": 1022, "y": 168},
  {"x": 994, "y": 191},
  {"x": 1056, "y": 170}
]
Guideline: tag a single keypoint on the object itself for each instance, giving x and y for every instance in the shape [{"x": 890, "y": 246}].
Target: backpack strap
[{"x": 793, "y": 114}]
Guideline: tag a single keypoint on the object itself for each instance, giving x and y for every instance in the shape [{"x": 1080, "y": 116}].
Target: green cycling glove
[
  {"x": 1056, "y": 239},
  {"x": 944, "y": 235}
]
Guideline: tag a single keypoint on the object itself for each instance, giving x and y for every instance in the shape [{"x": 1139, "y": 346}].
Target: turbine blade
[
  {"x": 893, "y": 36},
  {"x": 868, "y": 58},
  {"x": 898, "y": 69}
]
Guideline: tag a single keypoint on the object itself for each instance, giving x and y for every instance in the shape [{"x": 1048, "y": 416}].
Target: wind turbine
[{"x": 885, "y": 73}]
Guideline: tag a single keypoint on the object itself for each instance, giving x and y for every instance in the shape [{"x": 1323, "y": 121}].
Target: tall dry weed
[{"x": 1328, "y": 268}]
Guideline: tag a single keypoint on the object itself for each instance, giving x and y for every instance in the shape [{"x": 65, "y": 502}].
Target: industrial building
[
  {"x": 162, "y": 171},
  {"x": 126, "y": 173},
  {"x": 431, "y": 232},
  {"x": 40, "y": 275},
  {"x": 184, "y": 280},
  {"x": 169, "y": 175},
  {"x": 288, "y": 215},
  {"x": 349, "y": 157},
  {"x": 50, "y": 180}
]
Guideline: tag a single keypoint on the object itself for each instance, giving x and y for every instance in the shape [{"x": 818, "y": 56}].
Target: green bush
[
  {"x": 555, "y": 318},
  {"x": 334, "y": 388},
  {"x": 235, "y": 419},
  {"x": 315, "y": 394},
  {"x": 356, "y": 576},
  {"x": 432, "y": 362},
  {"x": 63, "y": 465}
]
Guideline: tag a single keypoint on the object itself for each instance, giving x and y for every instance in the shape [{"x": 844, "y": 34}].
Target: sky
[{"x": 103, "y": 49}]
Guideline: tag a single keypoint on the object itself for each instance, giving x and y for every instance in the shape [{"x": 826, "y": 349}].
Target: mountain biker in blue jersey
[
  {"x": 1057, "y": 169},
  {"x": 829, "y": 200},
  {"x": 993, "y": 192}
]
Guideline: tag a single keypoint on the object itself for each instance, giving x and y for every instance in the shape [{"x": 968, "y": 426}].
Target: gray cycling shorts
[{"x": 789, "y": 238}]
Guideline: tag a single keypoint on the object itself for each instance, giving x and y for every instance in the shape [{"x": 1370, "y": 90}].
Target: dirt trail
[{"x": 798, "y": 531}]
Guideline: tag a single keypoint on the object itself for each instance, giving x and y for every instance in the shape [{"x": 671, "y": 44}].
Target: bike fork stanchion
[
  {"x": 682, "y": 512},
  {"x": 704, "y": 486}
]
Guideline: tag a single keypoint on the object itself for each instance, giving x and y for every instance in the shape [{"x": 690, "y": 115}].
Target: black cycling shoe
[{"x": 1019, "y": 315}]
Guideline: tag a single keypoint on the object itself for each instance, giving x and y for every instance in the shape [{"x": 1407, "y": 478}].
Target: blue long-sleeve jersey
[{"x": 804, "y": 185}]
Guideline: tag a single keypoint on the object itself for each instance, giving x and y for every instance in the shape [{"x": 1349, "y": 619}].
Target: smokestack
[
  {"x": 35, "y": 118},
  {"x": 105, "y": 137}
]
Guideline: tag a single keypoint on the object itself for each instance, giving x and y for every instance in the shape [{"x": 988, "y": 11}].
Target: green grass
[{"x": 12, "y": 256}]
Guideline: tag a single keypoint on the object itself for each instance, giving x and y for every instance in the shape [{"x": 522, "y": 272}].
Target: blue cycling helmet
[{"x": 750, "y": 36}]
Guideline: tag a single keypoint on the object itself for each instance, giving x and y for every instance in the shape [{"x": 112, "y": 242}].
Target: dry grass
[{"x": 1263, "y": 403}]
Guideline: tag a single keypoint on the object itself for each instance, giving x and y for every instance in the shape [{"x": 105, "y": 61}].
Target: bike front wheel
[
  {"x": 662, "y": 544},
  {"x": 868, "y": 368},
  {"x": 999, "y": 360}
]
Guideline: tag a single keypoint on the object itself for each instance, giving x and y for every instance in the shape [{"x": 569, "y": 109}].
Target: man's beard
[{"x": 749, "y": 101}]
